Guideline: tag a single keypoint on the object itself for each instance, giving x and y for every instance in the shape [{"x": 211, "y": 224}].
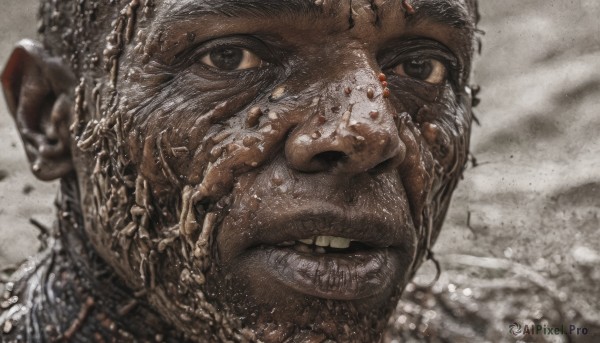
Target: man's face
[{"x": 280, "y": 166}]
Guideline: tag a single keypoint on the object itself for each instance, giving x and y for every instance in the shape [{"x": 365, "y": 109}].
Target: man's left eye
[
  {"x": 230, "y": 58},
  {"x": 429, "y": 70}
]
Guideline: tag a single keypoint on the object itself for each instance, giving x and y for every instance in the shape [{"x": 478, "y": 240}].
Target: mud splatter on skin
[
  {"x": 408, "y": 7},
  {"x": 173, "y": 184}
]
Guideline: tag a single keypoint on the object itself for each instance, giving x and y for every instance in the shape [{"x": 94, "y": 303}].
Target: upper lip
[{"x": 321, "y": 219}]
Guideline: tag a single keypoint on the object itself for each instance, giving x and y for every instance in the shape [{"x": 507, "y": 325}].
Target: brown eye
[
  {"x": 428, "y": 70},
  {"x": 230, "y": 58}
]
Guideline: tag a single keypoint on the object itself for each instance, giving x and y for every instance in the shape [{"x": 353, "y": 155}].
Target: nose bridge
[{"x": 354, "y": 129}]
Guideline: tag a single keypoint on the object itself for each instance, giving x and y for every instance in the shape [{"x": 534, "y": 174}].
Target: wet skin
[{"x": 235, "y": 129}]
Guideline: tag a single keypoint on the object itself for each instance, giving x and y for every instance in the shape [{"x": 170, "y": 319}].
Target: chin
[
  {"x": 276, "y": 312},
  {"x": 302, "y": 293}
]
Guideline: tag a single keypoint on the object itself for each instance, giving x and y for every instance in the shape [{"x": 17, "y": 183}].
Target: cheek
[
  {"x": 442, "y": 122},
  {"x": 177, "y": 135},
  {"x": 436, "y": 135},
  {"x": 445, "y": 127}
]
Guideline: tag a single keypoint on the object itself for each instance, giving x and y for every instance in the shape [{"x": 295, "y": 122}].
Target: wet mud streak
[
  {"x": 408, "y": 7},
  {"x": 351, "y": 16},
  {"x": 121, "y": 35},
  {"x": 358, "y": 7},
  {"x": 375, "y": 9},
  {"x": 144, "y": 234}
]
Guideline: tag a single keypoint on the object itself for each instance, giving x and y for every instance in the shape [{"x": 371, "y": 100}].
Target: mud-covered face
[{"x": 276, "y": 169}]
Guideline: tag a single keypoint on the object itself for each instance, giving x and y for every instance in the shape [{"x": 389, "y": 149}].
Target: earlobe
[{"x": 38, "y": 90}]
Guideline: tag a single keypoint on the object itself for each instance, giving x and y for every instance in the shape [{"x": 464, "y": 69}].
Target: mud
[{"x": 528, "y": 207}]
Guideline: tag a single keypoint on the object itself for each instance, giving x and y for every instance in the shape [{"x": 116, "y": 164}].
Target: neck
[{"x": 88, "y": 298}]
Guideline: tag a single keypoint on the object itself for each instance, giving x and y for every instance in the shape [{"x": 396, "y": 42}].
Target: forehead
[
  {"x": 317, "y": 24},
  {"x": 452, "y": 12},
  {"x": 452, "y": 22}
]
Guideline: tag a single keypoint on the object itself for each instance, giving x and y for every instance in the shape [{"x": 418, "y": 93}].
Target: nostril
[
  {"x": 383, "y": 166},
  {"x": 329, "y": 159}
]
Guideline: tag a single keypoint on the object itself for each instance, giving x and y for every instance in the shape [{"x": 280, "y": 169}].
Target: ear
[{"x": 38, "y": 89}]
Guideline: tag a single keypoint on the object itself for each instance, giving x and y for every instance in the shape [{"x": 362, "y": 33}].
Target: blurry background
[{"x": 522, "y": 240}]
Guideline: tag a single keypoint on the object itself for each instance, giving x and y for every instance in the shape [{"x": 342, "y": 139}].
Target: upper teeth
[{"x": 328, "y": 241}]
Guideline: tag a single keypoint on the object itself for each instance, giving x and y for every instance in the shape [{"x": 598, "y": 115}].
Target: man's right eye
[{"x": 232, "y": 58}]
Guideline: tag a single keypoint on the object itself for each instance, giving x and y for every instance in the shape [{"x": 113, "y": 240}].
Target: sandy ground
[{"x": 530, "y": 210}]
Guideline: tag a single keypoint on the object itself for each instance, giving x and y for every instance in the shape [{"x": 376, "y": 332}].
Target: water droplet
[
  {"x": 277, "y": 93},
  {"x": 277, "y": 180},
  {"x": 253, "y": 115},
  {"x": 370, "y": 93},
  {"x": 179, "y": 151},
  {"x": 408, "y": 7},
  {"x": 267, "y": 128},
  {"x": 346, "y": 116},
  {"x": 249, "y": 141},
  {"x": 386, "y": 92},
  {"x": 430, "y": 133},
  {"x": 321, "y": 119},
  {"x": 215, "y": 153}
]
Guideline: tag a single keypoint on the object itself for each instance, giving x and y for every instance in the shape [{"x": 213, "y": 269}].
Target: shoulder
[{"x": 19, "y": 295}]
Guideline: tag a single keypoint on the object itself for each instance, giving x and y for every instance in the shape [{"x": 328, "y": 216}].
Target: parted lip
[
  {"x": 322, "y": 219},
  {"x": 254, "y": 248}
]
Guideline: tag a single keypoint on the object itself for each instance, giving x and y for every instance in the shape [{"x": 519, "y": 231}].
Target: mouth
[
  {"x": 329, "y": 256},
  {"x": 325, "y": 245},
  {"x": 330, "y": 267}
]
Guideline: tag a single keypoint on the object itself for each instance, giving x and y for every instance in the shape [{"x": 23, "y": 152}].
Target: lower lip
[{"x": 349, "y": 276}]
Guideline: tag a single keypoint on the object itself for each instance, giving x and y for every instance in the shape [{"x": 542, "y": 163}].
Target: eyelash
[
  {"x": 418, "y": 49},
  {"x": 449, "y": 63},
  {"x": 422, "y": 49},
  {"x": 196, "y": 53}
]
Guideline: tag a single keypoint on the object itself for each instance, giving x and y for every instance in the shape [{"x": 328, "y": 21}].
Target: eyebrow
[
  {"x": 240, "y": 8},
  {"x": 447, "y": 12}
]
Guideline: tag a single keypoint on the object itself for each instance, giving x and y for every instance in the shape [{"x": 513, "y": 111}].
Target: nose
[{"x": 350, "y": 133}]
